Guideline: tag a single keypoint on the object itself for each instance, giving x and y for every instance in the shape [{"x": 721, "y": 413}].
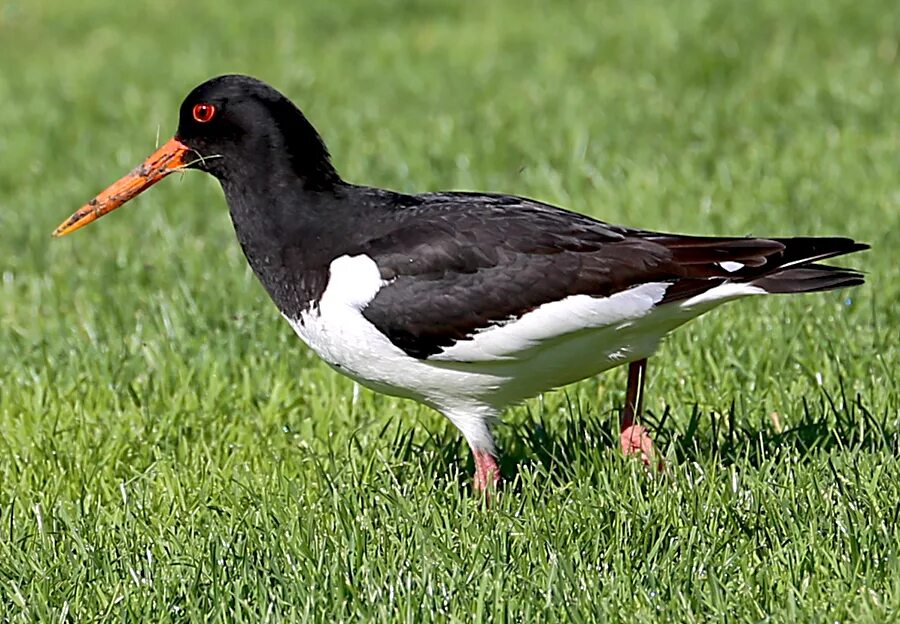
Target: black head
[
  {"x": 239, "y": 125},
  {"x": 239, "y": 129}
]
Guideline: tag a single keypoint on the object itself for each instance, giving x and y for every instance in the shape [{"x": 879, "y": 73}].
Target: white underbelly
[{"x": 354, "y": 347}]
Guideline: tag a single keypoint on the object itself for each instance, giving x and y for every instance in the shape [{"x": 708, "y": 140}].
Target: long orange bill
[{"x": 167, "y": 159}]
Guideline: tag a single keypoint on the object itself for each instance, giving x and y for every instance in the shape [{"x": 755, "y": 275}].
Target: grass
[{"x": 170, "y": 452}]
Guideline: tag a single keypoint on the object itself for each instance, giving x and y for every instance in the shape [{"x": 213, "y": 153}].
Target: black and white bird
[{"x": 466, "y": 302}]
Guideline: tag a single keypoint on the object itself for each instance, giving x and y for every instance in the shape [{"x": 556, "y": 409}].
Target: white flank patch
[{"x": 554, "y": 320}]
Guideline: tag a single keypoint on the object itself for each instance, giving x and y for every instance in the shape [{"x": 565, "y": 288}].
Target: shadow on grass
[{"x": 559, "y": 444}]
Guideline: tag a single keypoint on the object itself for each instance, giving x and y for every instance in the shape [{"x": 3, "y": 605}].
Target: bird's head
[{"x": 234, "y": 127}]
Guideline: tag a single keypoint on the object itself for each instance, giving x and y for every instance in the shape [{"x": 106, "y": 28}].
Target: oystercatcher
[{"x": 466, "y": 302}]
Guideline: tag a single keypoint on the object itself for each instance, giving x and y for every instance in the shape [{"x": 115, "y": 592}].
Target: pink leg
[
  {"x": 487, "y": 472},
  {"x": 634, "y": 439}
]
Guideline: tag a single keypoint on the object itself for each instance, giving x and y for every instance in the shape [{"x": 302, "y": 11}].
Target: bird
[{"x": 466, "y": 302}]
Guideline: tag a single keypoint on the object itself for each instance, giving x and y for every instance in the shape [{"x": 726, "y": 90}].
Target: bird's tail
[
  {"x": 746, "y": 266},
  {"x": 796, "y": 270}
]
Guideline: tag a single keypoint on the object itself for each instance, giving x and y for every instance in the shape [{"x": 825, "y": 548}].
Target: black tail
[
  {"x": 776, "y": 265},
  {"x": 809, "y": 278},
  {"x": 793, "y": 270}
]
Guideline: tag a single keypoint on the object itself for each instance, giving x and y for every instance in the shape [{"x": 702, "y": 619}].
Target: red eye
[{"x": 204, "y": 112}]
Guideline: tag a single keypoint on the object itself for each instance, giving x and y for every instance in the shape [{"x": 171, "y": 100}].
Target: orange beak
[{"x": 167, "y": 159}]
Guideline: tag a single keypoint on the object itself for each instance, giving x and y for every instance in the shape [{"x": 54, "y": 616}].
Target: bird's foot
[
  {"x": 487, "y": 472},
  {"x": 635, "y": 440}
]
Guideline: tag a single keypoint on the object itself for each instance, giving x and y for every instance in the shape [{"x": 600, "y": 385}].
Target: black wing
[{"x": 458, "y": 263}]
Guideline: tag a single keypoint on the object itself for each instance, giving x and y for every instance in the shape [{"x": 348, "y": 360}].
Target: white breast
[{"x": 339, "y": 333}]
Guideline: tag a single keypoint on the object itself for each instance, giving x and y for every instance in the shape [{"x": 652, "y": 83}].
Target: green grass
[{"x": 170, "y": 452}]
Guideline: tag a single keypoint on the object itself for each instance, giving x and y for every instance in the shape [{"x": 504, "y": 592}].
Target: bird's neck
[{"x": 288, "y": 233}]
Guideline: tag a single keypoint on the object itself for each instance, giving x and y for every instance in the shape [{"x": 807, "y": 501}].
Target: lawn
[{"x": 169, "y": 451}]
